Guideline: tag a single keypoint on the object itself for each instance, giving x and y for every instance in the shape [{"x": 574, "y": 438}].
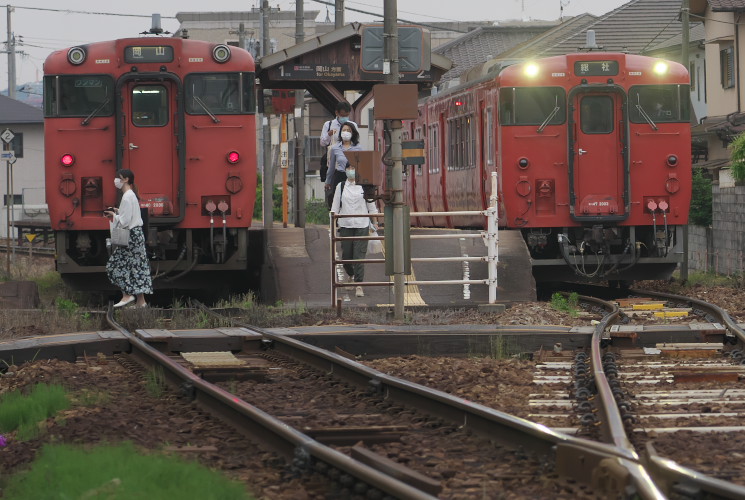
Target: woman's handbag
[
  {"x": 374, "y": 246},
  {"x": 119, "y": 236}
]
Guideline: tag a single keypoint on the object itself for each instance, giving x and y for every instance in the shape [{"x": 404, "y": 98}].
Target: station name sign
[{"x": 311, "y": 72}]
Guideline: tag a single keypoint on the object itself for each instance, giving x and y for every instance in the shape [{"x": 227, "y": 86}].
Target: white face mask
[
  {"x": 350, "y": 174},
  {"x": 346, "y": 136},
  {"x": 118, "y": 183}
]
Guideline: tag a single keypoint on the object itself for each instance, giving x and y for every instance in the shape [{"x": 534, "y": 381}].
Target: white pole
[{"x": 492, "y": 239}]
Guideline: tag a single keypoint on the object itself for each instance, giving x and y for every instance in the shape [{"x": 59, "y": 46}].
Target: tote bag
[{"x": 119, "y": 236}]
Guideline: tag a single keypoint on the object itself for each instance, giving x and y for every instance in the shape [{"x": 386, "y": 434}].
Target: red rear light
[
  {"x": 67, "y": 160},
  {"x": 233, "y": 157}
]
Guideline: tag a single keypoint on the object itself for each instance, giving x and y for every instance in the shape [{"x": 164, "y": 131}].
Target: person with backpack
[
  {"x": 329, "y": 137},
  {"x": 350, "y": 141},
  {"x": 349, "y": 199}
]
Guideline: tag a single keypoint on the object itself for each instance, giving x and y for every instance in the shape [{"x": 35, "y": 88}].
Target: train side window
[
  {"x": 661, "y": 103},
  {"x": 532, "y": 105},
  {"x": 489, "y": 135},
  {"x": 220, "y": 94},
  {"x": 78, "y": 95},
  {"x": 596, "y": 114},
  {"x": 149, "y": 106}
]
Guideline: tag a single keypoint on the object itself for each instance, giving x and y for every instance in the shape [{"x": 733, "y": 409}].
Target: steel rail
[
  {"x": 723, "y": 315},
  {"x": 574, "y": 457},
  {"x": 267, "y": 430}
]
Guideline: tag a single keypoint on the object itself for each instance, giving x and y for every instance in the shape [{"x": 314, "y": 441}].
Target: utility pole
[
  {"x": 268, "y": 177},
  {"x": 338, "y": 14},
  {"x": 390, "y": 63},
  {"x": 684, "y": 14},
  {"x": 299, "y": 126},
  {"x": 11, "y": 46},
  {"x": 241, "y": 35}
]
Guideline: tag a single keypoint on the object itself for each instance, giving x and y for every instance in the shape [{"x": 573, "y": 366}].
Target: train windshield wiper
[
  {"x": 88, "y": 118},
  {"x": 645, "y": 115},
  {"x": 549, "y": 117},
  {"x": 206, "y": 109}
]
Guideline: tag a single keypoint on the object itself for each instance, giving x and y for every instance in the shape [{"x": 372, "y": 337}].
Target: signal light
[
  {"x": 233, "y": 157},
  {"x": 67, "y": 160}
]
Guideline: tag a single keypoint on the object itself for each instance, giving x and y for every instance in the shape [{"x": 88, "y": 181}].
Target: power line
[
  {"x": 68, "y": 11},
  {"x": 377, "y": 14}
]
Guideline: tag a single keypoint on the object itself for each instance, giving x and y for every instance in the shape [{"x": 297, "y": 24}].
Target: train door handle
[
  {"x": 132, "y": 146},
  {"x": 581, "y": 151}
]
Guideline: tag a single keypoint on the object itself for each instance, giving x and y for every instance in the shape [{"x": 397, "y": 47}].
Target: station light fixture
[
  {"x": 660, "y": 67},
  {"x": 67, "y": 160},
  {"x": 233, "y": 157}
]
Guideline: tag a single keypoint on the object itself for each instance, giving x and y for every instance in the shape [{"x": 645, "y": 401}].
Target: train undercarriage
[
  {"x": 604, "y": 253},
  {"x": 184, "y": 259}
]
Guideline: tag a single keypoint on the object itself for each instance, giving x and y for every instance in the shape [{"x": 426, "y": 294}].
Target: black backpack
[{"x": 324, "y": 165}]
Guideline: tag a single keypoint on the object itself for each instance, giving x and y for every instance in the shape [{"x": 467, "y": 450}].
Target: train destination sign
[
  {"x": 311, "y": 72},
  {"x": 596, "y": 68},
  {"x": 148, "y": 54}
]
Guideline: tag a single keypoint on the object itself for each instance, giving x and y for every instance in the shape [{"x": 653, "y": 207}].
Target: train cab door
[
  {"x": 149, "y": 144},
  {"x": 598, "y": 171}
]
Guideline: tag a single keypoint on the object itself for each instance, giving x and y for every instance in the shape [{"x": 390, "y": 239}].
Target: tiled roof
[
  {"x": 727, "y": 5},
  {"x": 697, "y": 34},
  {"x": 483, "y": 44},
  {"x": 634, "y": 27},
  {"x": 12, "y": 111},
  {"x": 538, "y": 45}
]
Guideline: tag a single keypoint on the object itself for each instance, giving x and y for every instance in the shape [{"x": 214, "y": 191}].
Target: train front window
[
  {"x": 661, "y": 103},
  {"x": 532, "y": 106},
  {"x": 596, "y": 114},
  {"x": 149, "y": 106},
  {"x": 78, "y": 96},
  {"x": 220, "y": 94}
]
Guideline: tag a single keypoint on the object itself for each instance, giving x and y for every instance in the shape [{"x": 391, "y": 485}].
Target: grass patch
[
  {"x": 155, "y": 382},
  {"x": 24, "y": 412},
  {"x": 118, "y": 472},
  {"x": 568, "y": 305}
]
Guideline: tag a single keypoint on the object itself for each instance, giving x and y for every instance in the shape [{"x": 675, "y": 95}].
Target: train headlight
[
  {"x": 660, "y": 68},
  {"x": 531, "y": 70},
  {"x": 67, "y": 160},
  {"x": 76, "y": 55},
  {"x": 221, "y": 53},
  {"x": 233, "y": 157},
  {"x": 672, "y": 161}
]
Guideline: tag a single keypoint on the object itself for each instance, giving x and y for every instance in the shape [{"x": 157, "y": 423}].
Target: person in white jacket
[{"x": 128, "y": 267}]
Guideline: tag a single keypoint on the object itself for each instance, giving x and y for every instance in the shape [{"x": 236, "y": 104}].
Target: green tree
[
  {"x": 738, "y": 158},
  {"x": 700, "y": 199}
]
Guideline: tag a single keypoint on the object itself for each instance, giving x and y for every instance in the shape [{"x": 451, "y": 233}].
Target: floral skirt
[{"x": 128, "y": 267}]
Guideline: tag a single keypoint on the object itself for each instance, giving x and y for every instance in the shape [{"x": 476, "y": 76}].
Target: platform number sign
[{"x": 7, "y": 136}]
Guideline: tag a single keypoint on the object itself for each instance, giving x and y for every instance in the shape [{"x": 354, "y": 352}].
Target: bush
[
  {"x": 738, "y": 158},
  {"x": 701, "y": 199}
]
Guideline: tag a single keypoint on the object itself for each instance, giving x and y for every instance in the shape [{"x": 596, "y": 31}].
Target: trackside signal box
[{"x": 367, "y": 166}]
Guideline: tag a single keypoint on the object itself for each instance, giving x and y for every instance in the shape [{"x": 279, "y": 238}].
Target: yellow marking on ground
[
  {"x": 412, "y": 297},
  {"x": 671, "y": 314},
  {"x": 648, "y": 307}
]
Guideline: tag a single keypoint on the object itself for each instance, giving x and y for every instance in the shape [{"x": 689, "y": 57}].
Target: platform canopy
[{"x": 350, "y": 58}]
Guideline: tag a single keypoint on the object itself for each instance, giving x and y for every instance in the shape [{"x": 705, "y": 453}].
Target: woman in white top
[
  {"x": 350, "y": 199},
  {"x": 128, "y": 267}
]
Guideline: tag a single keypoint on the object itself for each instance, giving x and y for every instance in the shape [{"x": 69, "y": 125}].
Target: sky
[{"x": 63, "y": 25}]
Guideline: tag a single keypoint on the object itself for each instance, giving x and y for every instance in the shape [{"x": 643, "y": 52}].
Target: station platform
[{"x": 298, "y": 271}]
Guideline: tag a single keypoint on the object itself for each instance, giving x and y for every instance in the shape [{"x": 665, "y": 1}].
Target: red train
[
  {"x": 592, "y": 152},
  {"x": 181, "y": 115}
]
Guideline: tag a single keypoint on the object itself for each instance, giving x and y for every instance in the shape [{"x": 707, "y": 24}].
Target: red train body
[
  {"x": 181, "y": 115},
  {"x": 592, "y": 154}
]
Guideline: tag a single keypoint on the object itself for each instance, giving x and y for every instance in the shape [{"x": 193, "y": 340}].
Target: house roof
[
  {"x": 727, "y": 5},
  {"x": 697, "y": 34},
  {"x": 485, "y": 43},
  {"x": 13, "y": 112},
  {"x": 633, "y": 27}
]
